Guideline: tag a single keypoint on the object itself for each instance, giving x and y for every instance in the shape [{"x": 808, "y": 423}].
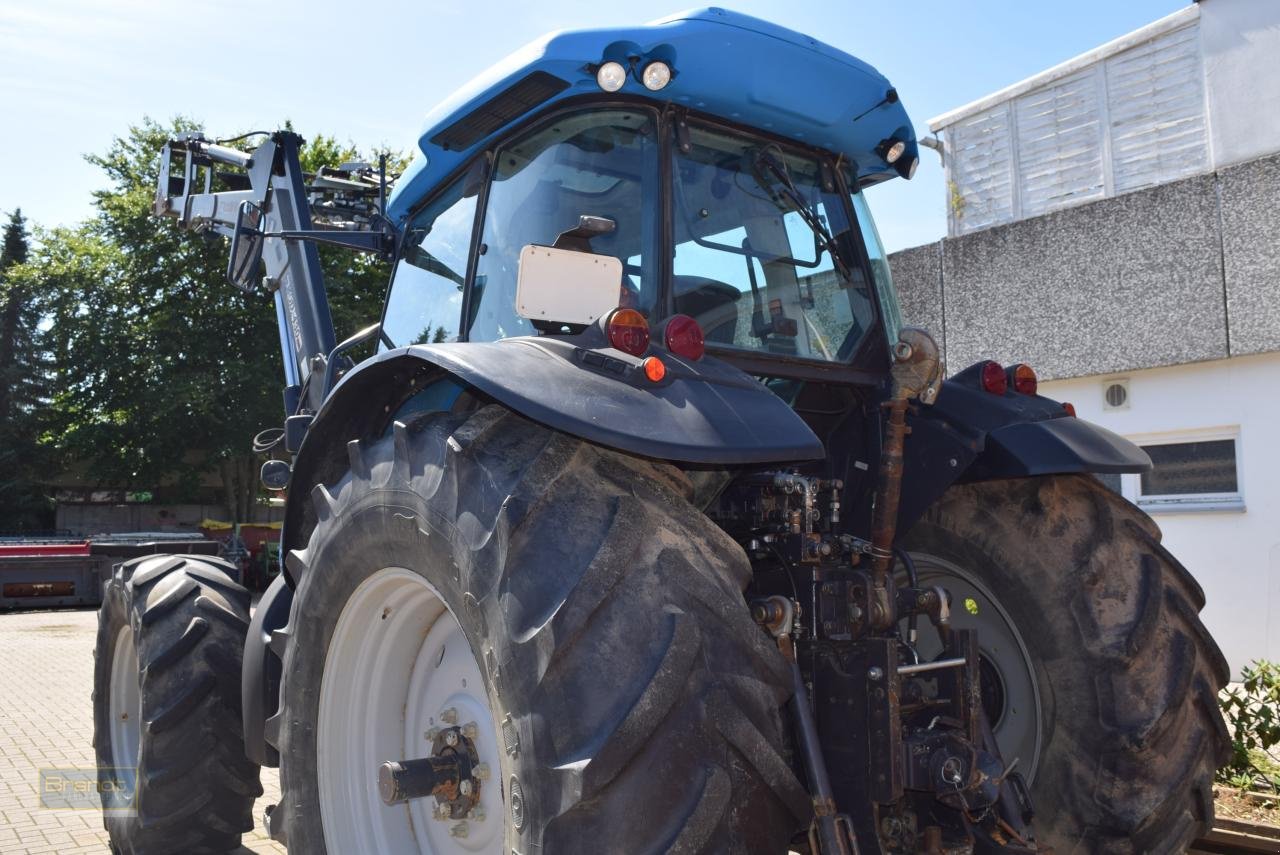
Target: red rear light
[
  {"x": 1023, "y": 378},
  {"x": 684, "y": 337},
  {"x": 993, "y": 378},
  {"x": 628, "y": 331},
  {"x": 1070, "y": 408}
]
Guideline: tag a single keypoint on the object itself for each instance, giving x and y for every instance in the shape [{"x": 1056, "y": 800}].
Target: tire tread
[
  {"x": 196, "y": 788},
  {"x": 1143, "y": 743}
]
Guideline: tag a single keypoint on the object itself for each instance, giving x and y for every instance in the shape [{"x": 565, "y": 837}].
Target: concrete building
[{"x": 1114, "y": 222}]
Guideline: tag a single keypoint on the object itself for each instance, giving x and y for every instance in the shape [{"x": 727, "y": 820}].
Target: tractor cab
[{"x": 622, "y": 173}]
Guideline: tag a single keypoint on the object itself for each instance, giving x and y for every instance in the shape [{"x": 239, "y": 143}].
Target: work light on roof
[
  {"x": 894, "y": 150},
  {"x": 655, "y": 76},
  {"x": 610, "y": 76}
]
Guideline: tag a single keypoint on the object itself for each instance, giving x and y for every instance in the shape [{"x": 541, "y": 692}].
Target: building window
[{"x": 1191, "y": 473}]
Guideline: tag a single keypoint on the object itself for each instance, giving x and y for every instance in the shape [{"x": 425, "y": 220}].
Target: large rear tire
[
  {"x": 167, "y": 725},
  {"x": 1125, "y": 676},
  {"x": 636, "y": 706}
]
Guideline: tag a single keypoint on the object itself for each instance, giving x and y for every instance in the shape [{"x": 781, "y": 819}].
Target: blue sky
[{"x": 76, "y": 73}]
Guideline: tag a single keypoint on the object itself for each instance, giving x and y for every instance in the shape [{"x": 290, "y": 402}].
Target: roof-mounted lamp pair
[{"x": 611, "y": 75}]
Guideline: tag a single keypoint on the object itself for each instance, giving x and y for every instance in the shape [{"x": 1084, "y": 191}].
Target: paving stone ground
[{"x": 46, "y": 721}]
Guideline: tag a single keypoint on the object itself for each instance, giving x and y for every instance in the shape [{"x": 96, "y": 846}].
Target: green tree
[
  {"x": 23, "y": 377},
  {"x": 165, "y": 372}
]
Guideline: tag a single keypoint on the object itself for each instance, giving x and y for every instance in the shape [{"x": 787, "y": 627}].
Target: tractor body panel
[{"x": 725, "y": 64}]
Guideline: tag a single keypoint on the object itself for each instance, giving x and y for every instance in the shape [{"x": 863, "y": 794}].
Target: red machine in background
[
  {"x": 252, "y": 547},
  {"x": 53, "y": 571}
]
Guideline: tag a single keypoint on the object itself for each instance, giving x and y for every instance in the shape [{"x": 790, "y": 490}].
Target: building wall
[
  {"x": 1118, "y": 216},
  {"x": 1182, "y": 272},
  {"x": 1235, "y": 555},
  {"x": 1195, "y": 91},
  {"x": 1240, "y": 43},
  {"x": 1250, "y": 206},
  {"x": 917, "y": 277}
]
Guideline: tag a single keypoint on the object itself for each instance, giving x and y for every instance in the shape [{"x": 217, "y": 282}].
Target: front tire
[
  {"x": 1123, "y": 706},
  {"x": 167, "y": 725},
  {"x": 631, "y": 703}
]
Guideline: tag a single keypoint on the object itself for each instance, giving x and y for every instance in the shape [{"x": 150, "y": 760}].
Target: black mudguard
[
  {"x": 261, "y": 670},
  {"x": 972, "y": 435},
  {"x": 703, "y": 412}
]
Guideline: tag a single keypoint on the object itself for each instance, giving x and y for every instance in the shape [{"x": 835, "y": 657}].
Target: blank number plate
[{"x": 565, "y": 286}]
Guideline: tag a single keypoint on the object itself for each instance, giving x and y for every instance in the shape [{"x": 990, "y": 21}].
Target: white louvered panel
[
  {"x": 1059, "y": 141},
  {"x": 980, "y": 170},
  {"x": 1156, "y": 105}
]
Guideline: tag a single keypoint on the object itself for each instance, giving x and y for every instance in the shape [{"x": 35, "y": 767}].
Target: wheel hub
[{"x": 453, "y": 775}]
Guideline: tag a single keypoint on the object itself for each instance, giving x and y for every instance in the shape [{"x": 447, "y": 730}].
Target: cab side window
[
  {"x": 601, "y": 163},
  {"x": 425, "y": 300}
]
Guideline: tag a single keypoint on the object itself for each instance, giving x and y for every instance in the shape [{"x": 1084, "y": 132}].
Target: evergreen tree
[{"x": 23, "y": 375}]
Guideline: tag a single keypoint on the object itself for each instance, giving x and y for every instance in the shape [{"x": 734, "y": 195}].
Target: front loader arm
[{"x": 270, "y": 213}]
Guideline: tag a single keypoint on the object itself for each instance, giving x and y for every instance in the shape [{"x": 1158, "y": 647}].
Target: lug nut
[
  {"x": 470, "y": 731},
  {"x": 451, "y": 738},
  {"x": 459, "y": 830},
  {"x": 449, "y": 716},
  {"x": 477, "y": 814},
  {"x": 480, "y": 771},
  {"x": 442, "y": 811},
  {"x": 465, "y": 787}
]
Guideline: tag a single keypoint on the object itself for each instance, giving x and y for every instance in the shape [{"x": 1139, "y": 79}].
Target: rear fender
[{"x": 972, "y": 435}]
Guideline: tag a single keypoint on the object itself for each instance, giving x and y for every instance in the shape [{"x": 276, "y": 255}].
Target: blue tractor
[{"x": 648, "y": 526}]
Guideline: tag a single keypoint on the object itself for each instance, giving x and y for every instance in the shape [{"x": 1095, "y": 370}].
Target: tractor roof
[{"x": 733, "y": 66}]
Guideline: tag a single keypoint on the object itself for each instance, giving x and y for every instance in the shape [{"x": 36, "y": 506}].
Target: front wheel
[
  {"x": 554, "y": 619},
  {"x": 167, "y": 729},
  {"x": 1097, "y": 674}
]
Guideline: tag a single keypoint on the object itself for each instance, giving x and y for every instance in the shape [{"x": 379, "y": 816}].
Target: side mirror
[{"x": 246, "y": 247}]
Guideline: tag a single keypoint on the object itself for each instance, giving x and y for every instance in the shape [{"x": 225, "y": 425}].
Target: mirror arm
[
  {"x": 381, "y": 241},
  {"x": 331, "y": 366}
]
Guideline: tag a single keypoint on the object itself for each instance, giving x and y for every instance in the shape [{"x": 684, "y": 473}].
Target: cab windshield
[
  {"x": 762, "y": 253},
  {"x": 761, "y": 248}
]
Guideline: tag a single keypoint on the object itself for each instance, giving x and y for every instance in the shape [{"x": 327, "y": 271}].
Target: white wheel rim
[
  {"x": 125, "y": 708},
  {"x": 397, "y": 659}
]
